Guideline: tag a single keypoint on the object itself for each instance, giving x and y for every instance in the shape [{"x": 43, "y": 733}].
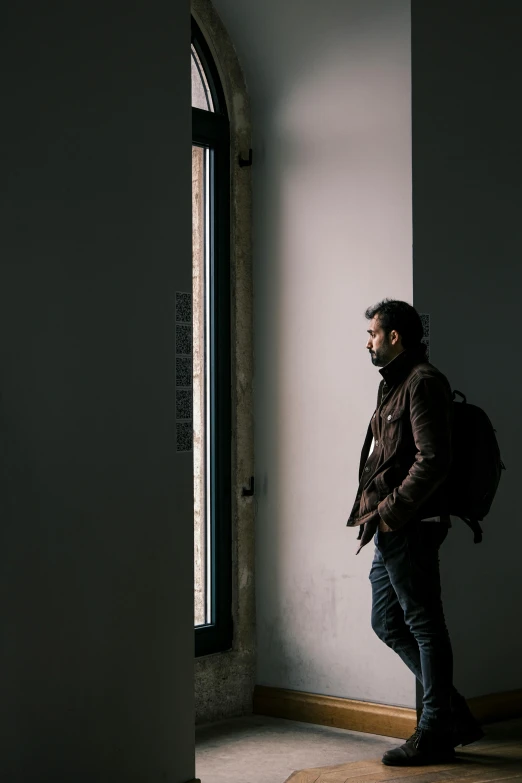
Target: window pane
[
  {"x": 201, "y": 96},
  {"x": 201, "y": 378}
]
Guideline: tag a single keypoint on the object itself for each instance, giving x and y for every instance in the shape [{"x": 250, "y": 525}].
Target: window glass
[
  {"x": 201, "y": 379},
  {"x": 201, "y": 96}
]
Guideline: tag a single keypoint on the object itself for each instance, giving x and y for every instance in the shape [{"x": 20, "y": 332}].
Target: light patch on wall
[
  {"x": 184, "y": 395},
  {"x": 425, "y": 318}
]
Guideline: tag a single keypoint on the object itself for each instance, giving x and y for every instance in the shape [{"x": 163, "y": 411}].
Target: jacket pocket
[
  {"x": 382, "y": 486},
  {"x": 372, "y": 495},
  {"x": 391, "y": 424}
]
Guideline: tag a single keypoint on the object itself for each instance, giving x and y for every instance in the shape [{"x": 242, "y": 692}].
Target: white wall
[
  {"x": 467, "y": 170},
  {"x": 96, "y": 531},
  {"x": 330, "y": 90}
]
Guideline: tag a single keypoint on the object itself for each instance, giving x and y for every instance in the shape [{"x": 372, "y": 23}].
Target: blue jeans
[{"x": 407, "y": 615}]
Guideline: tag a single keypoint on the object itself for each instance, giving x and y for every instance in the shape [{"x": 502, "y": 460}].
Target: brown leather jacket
[{"x": 403, "y": 478}]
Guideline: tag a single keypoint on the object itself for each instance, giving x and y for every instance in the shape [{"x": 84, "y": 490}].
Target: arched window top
[
  {"x": 207, "y": 92},
  {"x": 201, "y": 95}
]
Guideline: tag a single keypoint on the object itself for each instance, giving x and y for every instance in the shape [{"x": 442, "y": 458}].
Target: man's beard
[{"x": 380, "y": 358}]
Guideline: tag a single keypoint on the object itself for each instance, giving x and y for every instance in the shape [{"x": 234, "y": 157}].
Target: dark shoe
[
  {"x": 466, "y": 729},
  {"x": 466, "y": 732},
  {"x": 422, "y": 748}
]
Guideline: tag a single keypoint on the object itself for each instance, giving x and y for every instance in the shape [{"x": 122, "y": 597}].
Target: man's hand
[{"x": 369, "y": 530}]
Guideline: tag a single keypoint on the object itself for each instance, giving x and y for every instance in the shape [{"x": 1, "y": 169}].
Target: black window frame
[{"x": 212, "y": 129}]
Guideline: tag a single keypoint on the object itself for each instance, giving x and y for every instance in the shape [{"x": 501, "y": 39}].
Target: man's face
[{"x": 382, "y": 347}]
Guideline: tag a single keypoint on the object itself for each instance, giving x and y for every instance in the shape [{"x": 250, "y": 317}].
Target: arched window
[{"x": 211, "y": 368}]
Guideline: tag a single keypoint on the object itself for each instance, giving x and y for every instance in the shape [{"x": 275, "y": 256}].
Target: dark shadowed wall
[
  {"x": 96, "y": 535},
  {"x": 467, "y": 237}
]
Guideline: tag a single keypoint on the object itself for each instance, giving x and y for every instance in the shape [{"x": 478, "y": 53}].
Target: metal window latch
[
  {"x": 249, "y": 491},
  {"x": 245, "y": 161}
]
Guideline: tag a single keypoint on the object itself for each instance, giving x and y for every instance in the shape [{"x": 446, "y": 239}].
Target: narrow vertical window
[{"x": 211, "y": 371}]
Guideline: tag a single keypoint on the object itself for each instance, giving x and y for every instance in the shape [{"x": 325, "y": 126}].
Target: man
[{"x": 401, "y": 501}]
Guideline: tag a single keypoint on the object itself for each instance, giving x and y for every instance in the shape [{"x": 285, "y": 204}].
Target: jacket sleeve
[{"x": 431, "y": 412}]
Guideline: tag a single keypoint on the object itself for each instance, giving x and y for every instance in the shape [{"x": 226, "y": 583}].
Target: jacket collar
[{"x": 396, "y": 370}]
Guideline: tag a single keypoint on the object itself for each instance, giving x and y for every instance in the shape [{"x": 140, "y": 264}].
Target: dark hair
[{"x": 402, "y": 317}]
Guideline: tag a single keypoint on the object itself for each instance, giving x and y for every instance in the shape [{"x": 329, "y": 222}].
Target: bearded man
[{"x": 401, "y": 503}]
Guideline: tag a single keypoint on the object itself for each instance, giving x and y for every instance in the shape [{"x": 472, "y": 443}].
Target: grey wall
[
  {"x": 329, "y": 85},
  {"x": 467, "y": 200},
  {"x": 96, "y": 533}
]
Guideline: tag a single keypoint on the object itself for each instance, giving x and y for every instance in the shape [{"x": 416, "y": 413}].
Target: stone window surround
[{"x": 224, "y": 682}]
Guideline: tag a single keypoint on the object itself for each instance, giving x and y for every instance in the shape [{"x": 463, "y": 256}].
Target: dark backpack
[{"x": 476, "y": 467}]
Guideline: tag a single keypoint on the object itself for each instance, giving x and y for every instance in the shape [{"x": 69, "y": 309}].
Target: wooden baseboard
[
  {"x": 497, "y": 706},
  {"x": 369, "y": 717},
  {"x": 331, "y": 711}
]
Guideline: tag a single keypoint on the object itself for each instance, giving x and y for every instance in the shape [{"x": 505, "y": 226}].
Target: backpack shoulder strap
[{"x": 477, "y": 530}]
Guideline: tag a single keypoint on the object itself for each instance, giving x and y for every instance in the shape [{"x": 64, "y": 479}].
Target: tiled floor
[{"x": 256, "y": 749}]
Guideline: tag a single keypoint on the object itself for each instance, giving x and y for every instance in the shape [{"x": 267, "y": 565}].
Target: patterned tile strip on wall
[{"x": 184, "y": 398}]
